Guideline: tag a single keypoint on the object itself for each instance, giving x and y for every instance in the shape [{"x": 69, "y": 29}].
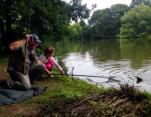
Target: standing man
[{"x": 22, "y": 57}]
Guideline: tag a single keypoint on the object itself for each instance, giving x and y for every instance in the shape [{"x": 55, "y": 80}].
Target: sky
[{"x": 101, "y": 4}]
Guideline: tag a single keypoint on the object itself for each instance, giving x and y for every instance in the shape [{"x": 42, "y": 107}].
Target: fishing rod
[
  {"x": 28, "y": 15},
  {"x": 26, "y": 44},
  {"x": 109, "y": 77}
]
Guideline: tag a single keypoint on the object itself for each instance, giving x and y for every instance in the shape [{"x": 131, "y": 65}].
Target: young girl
[{"x": 49, "y": 62}]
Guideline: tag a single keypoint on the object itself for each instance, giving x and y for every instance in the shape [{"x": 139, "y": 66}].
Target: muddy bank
[{"x": 125, "y": 102}]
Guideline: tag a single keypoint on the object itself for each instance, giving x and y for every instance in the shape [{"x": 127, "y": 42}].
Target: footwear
[
  {"x": 33, "y": 82},
  {"x": 39, "y": 89},
  {"x": 52, "y": 76},
  {"x": 3, "y": 83}
]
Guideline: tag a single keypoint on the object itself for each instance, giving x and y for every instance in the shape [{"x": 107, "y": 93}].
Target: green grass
[{"x": 67, "y": 88}]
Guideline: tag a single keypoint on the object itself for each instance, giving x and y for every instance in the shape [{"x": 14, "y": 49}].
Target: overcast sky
[{"x": 101, "y": 4}]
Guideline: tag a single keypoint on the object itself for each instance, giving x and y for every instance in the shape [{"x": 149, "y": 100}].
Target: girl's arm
[
  {"x": 59, "y": 67},
  {"x": 47, "y": 72}
]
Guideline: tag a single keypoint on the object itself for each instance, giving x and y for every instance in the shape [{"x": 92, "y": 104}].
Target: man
[{"x": 22, "y": 58}]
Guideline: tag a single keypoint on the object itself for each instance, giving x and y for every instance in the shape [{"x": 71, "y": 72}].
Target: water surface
[{"x": 123, "y": 60}]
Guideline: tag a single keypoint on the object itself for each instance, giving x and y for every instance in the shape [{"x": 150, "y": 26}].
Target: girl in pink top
[{"x": 49, "y": 62}]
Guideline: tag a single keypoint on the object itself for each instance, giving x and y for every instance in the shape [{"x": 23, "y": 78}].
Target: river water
[{"x": 122, "y": 61}]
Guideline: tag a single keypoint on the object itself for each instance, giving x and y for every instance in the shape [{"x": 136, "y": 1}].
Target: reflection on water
[{"x": 123, "y": 60}]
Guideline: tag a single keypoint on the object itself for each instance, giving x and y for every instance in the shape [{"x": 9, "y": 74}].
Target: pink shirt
[{"x": 50, "y": 62}]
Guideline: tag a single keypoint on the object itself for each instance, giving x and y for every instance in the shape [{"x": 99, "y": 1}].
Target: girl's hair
[{"x": 49, "y": 51}]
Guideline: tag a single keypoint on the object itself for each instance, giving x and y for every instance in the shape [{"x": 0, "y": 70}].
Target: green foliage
[
  {"x": 74, "y": 31},
  {"x": 82, "y": 23},
  {"x": 44, "y": 17},
  {"x": 136, "y": 22},
  {"x": 41, "y": 17},
  {"x": 137, "y": 2},
  {"x": 106, "y": 22},
  {"x": 87, "y": 32},
  {"x": 78, "y": 11},
  {"x": 52, "y": 17}
]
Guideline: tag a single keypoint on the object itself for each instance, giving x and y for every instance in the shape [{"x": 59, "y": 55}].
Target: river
[{"x": 122, "y": 61}]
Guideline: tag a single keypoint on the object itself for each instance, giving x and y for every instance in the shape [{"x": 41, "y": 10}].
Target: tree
[
  {"x": 118, "y": 11},
  {"x": 74, "y": 31},
  {"x": 100, "y": 23},
  {"x": 137, "y": 2},
  {"x": 106, "y": 23},
  {"x": 78, "y": 11},
  {"x": 136, "y": 22},
  {"x": 46, "y": 17},
  {"x": 52, "y": 18},
  {"x": 9, "y": 16},
  {"x": 82, "y": 23}
]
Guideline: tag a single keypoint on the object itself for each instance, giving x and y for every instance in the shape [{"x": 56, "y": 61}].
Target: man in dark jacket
[{"x": 22, "y": 57}]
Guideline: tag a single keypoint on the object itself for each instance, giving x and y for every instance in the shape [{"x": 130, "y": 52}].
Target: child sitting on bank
[{"x": 48, "y": 60}]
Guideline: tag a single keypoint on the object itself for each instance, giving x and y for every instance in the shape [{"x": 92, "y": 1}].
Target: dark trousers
[
  {"x": 18, "y": 81},
  {"x": 22, "y": 81},
  {"x": 36, "y": 71}
]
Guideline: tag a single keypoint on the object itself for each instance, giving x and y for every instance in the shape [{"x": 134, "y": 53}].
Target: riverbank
[
  {"x": 66, "y": 96},
  {"x": 126, "y": 102},
  {"x": 71, "y": 97}
]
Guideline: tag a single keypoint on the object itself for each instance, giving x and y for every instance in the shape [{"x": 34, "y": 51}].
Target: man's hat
[{"x": 35, "y": 38}]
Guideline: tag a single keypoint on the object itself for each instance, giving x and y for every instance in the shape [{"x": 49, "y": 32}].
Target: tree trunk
[
  {"x": 2, "y": 32},
  {"x": 8, "y": 31},
  {"x": 8, "y": 17}
]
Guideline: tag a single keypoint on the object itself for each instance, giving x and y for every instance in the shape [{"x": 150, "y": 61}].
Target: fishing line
[
  {"x": 28, "y": 15},
  {"x": 26, "y": 44}
]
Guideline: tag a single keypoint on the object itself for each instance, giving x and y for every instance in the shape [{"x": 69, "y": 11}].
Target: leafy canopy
[{"x": 136, "y": 22}]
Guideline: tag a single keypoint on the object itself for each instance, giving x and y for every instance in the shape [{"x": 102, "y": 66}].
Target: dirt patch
[
  {"x": 2, "y": 76},
  {"x": 20, "y": 110}
]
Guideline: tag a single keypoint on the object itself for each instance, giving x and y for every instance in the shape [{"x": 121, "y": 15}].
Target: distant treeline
[{"x": 118, "y": 21}]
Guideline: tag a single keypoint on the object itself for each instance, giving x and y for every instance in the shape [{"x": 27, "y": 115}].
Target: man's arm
[{"x": 15, "y": 45}]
